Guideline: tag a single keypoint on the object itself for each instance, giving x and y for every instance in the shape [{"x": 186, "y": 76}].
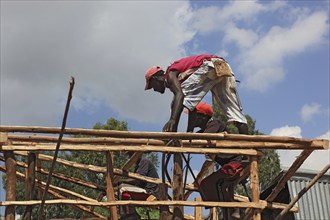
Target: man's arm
[
  {"x": 177, "y": 103},
  {"x": 191, "y": 120}
]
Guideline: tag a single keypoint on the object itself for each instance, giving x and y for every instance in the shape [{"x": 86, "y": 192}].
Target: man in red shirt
[{"x": 190, "y": 79}]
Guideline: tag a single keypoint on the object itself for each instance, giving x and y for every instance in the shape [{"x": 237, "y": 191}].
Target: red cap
[
  {"x": 150, "y": 72},
  {"x": 204, "y": 108}
]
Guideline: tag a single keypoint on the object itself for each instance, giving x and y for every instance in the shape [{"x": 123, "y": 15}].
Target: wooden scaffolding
[{"x": 31, "y": 141}]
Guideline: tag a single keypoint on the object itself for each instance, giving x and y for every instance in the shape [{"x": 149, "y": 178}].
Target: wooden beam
[
  {"x": 302, "y": 192},
  {"x": 29, "y": 184},
  {"x": 139, "y": 203},
  {"x": 177, "y": 186},
  {"x": 294, "y": 167},
  {"x": 198, "y": 210},
  {"x": 135, "y": 148},
  {"x": 3, "y": 138},
  {"x": 110, "y": 191},
  {"x": 159, "y": 135},
  {"x": 10, "y": 162},
  {"x": 254, "y": 184}
]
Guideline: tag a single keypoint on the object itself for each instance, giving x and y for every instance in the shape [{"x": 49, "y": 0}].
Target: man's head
[
  {"x": 155, "y": 79},
  {"x": 204, "y": 113}
]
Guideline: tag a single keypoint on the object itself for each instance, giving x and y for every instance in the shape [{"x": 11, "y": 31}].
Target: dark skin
[
  {"x": 158, "y": 83},
  {"x": 196, "y": 119}
]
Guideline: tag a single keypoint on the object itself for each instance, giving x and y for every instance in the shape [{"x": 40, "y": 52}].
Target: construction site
[{"x": 30, "y": 142}]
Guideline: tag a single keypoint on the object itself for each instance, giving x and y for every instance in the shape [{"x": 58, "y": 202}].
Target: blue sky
[{"x": 279, "y": 50}]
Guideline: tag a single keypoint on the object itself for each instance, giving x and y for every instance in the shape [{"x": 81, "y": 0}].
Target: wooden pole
[
  {"x": 41, "y": 208},
  {"x": 302, "y": 192},
  {"x": 294, "y": 167},
  {"x": 164, "y": 210},
  {"x": 29, "y": 184},
  {"x": 177, "y": 186},
  {"x": 198, "y": 210},
  {"x": 10, "y": 183},
  {"x": 254, "y": 179},
  {"x": 110, "y": 192}
]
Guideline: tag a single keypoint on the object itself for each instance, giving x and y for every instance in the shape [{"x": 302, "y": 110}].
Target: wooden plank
[
  {"x": 135, "y": 148},
  {"x": 302, "y": 192},
  {"x": 110, "y": 191},
  {"x": 10, "y": 162}
]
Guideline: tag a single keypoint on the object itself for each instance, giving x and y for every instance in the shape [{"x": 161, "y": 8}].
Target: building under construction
[{"x": 30, "y": 143}]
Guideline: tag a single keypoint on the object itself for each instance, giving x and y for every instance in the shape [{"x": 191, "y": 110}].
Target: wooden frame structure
[{"x": 32, "y": 140}]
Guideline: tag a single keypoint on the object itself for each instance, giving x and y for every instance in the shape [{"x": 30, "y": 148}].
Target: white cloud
[
  {"x": 309, "y": 110},
  {"x": 316, "y": 161},
  {"x": 105, "y": 45},
  {"x": 263, "y": 62},
  {"x": 290, "y": 131}
]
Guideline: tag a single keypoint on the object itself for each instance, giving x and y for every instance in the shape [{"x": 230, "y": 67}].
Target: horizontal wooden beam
[
  {"x": 135, "y": 148},
  {"x": 3, "y": 138},
  {"x": 156, "y": 135},
  {"x": 313, "y": 144},
  {"x": 259, "y": 205}
]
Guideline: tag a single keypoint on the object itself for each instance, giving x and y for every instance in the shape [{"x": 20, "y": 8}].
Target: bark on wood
[
  {"x": 177, "y": 186},
  {"x": 135, "y": 148},
  {"x": 158, "y": 135},
  {"x": 54, "y": 192},
  {"x": 3, "y": 138},
  {"x": 110, "y": 191},
  {"x": 198, "y": 210},
  {"x": 29, "y": 184},
  {"x": 254, "y": 181},
  {"x": 164, "y": 211},
  {"x": 10, "y": 183}
]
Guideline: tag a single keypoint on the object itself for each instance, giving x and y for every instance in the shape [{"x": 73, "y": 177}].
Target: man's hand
[{"x": 170, "y": 126}]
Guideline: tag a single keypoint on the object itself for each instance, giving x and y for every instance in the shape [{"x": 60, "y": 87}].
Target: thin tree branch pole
[
  {"x": 254, "y": 183},
  {"x": 302, "y": 192},
  {"x": 135, "y": 148},
  {"x": 110, "y": 191},
  {"x": 139, "y": 203},
  {"x": 41, "y": 208},
  {"x": 160, "y": 135},
  {"x": 61, "y": 176},
  {"x": 10, "y": 183},
  {"x": 41, "y": 185},
  {"x": 29, "y": 184},
  {"x": 294, "y": 167},
  {"x": 99, "y": 169}
]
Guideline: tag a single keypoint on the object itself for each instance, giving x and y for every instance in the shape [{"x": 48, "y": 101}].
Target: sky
[{"x": 279, "y": 50}]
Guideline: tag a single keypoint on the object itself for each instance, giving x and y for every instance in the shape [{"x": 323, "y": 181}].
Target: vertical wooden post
[
  {"x": 10, "y": 183},
  {"x": 110, "y": 191},
  {"x": 29, "y": 184},
  {"x": 198, "y": 209},
  {"x": 39, "y": 166},
  {"x": 215, "y": 213},
  {"x": 254, "y": 179},
  {"x": 177, "y": 186},
  {"x": 164, "y": 210}
]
